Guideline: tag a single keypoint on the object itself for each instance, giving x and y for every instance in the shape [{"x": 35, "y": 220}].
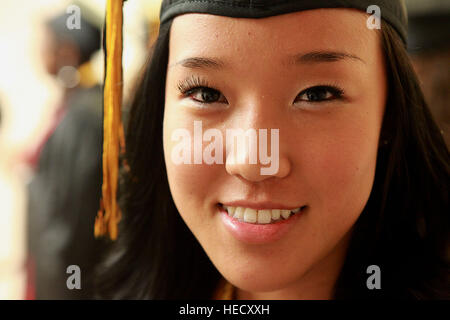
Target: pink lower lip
[{"x": 258, "y": 233}]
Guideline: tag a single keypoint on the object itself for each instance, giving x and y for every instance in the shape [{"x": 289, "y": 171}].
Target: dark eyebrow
[
  {"x": 200, "y": 63},
  {"x": 302, "y": 58},
  {"x": 321, "y": 56}
]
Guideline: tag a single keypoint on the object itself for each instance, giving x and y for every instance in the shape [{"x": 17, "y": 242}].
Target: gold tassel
[{"x": 109, "y": 214}]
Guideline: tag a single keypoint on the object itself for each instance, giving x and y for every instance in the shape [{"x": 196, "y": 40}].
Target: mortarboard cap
[
  {"x": 86, "y": 38},
  {"x": 392, "y": 11}
]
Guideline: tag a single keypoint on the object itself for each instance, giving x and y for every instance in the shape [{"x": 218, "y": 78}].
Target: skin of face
[{"x": 327, "y": 150}]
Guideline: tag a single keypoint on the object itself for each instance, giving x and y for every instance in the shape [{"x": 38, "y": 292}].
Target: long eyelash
[
  {"x": 338, "y": 91},
  {"x": 190, "y": 83},
  {"x": 332, "y": 87}
]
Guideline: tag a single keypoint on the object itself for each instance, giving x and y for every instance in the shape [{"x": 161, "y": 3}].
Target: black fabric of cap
[
  {"x": 87, "y": 38},
  {"x": 392, "y": 11}
]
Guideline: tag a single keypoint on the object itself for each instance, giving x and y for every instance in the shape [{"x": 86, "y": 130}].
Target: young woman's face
[{"x": 318, "y": 77}]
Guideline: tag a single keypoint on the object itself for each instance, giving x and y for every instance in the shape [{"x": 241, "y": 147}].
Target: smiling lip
[{"x": 258, "y": 233}]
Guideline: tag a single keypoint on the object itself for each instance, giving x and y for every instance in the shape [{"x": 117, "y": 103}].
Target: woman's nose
[{"x": 256, "y": 156}]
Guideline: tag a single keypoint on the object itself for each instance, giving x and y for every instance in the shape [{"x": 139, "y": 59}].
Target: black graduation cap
[{"x": 87, "y": 37}]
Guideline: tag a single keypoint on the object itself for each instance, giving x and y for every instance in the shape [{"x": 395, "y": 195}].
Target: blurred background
[
  {"x": 50, "y": 126},
  {"x": 50, "y": 130}
]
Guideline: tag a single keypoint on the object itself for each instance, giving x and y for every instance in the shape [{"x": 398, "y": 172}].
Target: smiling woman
[{"x": 363, "y": 171}]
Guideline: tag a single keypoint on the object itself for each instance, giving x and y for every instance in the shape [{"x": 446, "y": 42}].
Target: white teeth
[
  {"x": 239, "y": 213},
  {"x": 259, "y": 216},
  {"x": 285, "y": 213},
  {"x": 276, "y": 214},
  {"x": 231, "y": 210},
  {"x": 264, "y": 216},
  {"x": 250, "y": 215}
]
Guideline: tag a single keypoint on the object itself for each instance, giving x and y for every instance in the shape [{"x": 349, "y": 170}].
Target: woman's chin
[{"x": 253, "y": 281}]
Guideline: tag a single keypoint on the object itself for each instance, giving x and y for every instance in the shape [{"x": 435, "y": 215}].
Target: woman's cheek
[
  {"x": 191, "y": 184},
  {"x": 341, "y": 174}
]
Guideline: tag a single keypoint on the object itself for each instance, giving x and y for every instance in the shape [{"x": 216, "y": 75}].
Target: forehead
[{"x": 341, "y": 30}]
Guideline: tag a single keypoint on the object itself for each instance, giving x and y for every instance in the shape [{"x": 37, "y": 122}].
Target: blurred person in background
[
  {"x": 65, "y": 191},
  {"x": 429, "y": 34}
]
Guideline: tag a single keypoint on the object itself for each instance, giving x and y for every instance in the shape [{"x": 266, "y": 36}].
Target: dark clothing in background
[{"x": 64, "y": 198}]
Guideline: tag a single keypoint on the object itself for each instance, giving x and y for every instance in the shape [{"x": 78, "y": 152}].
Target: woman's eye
[
  {"x": 205, "y": 95},
  {"x": 320, "y": 93}
]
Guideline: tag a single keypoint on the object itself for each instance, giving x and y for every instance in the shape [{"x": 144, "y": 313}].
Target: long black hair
[{"x": 403, "y": 229}]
